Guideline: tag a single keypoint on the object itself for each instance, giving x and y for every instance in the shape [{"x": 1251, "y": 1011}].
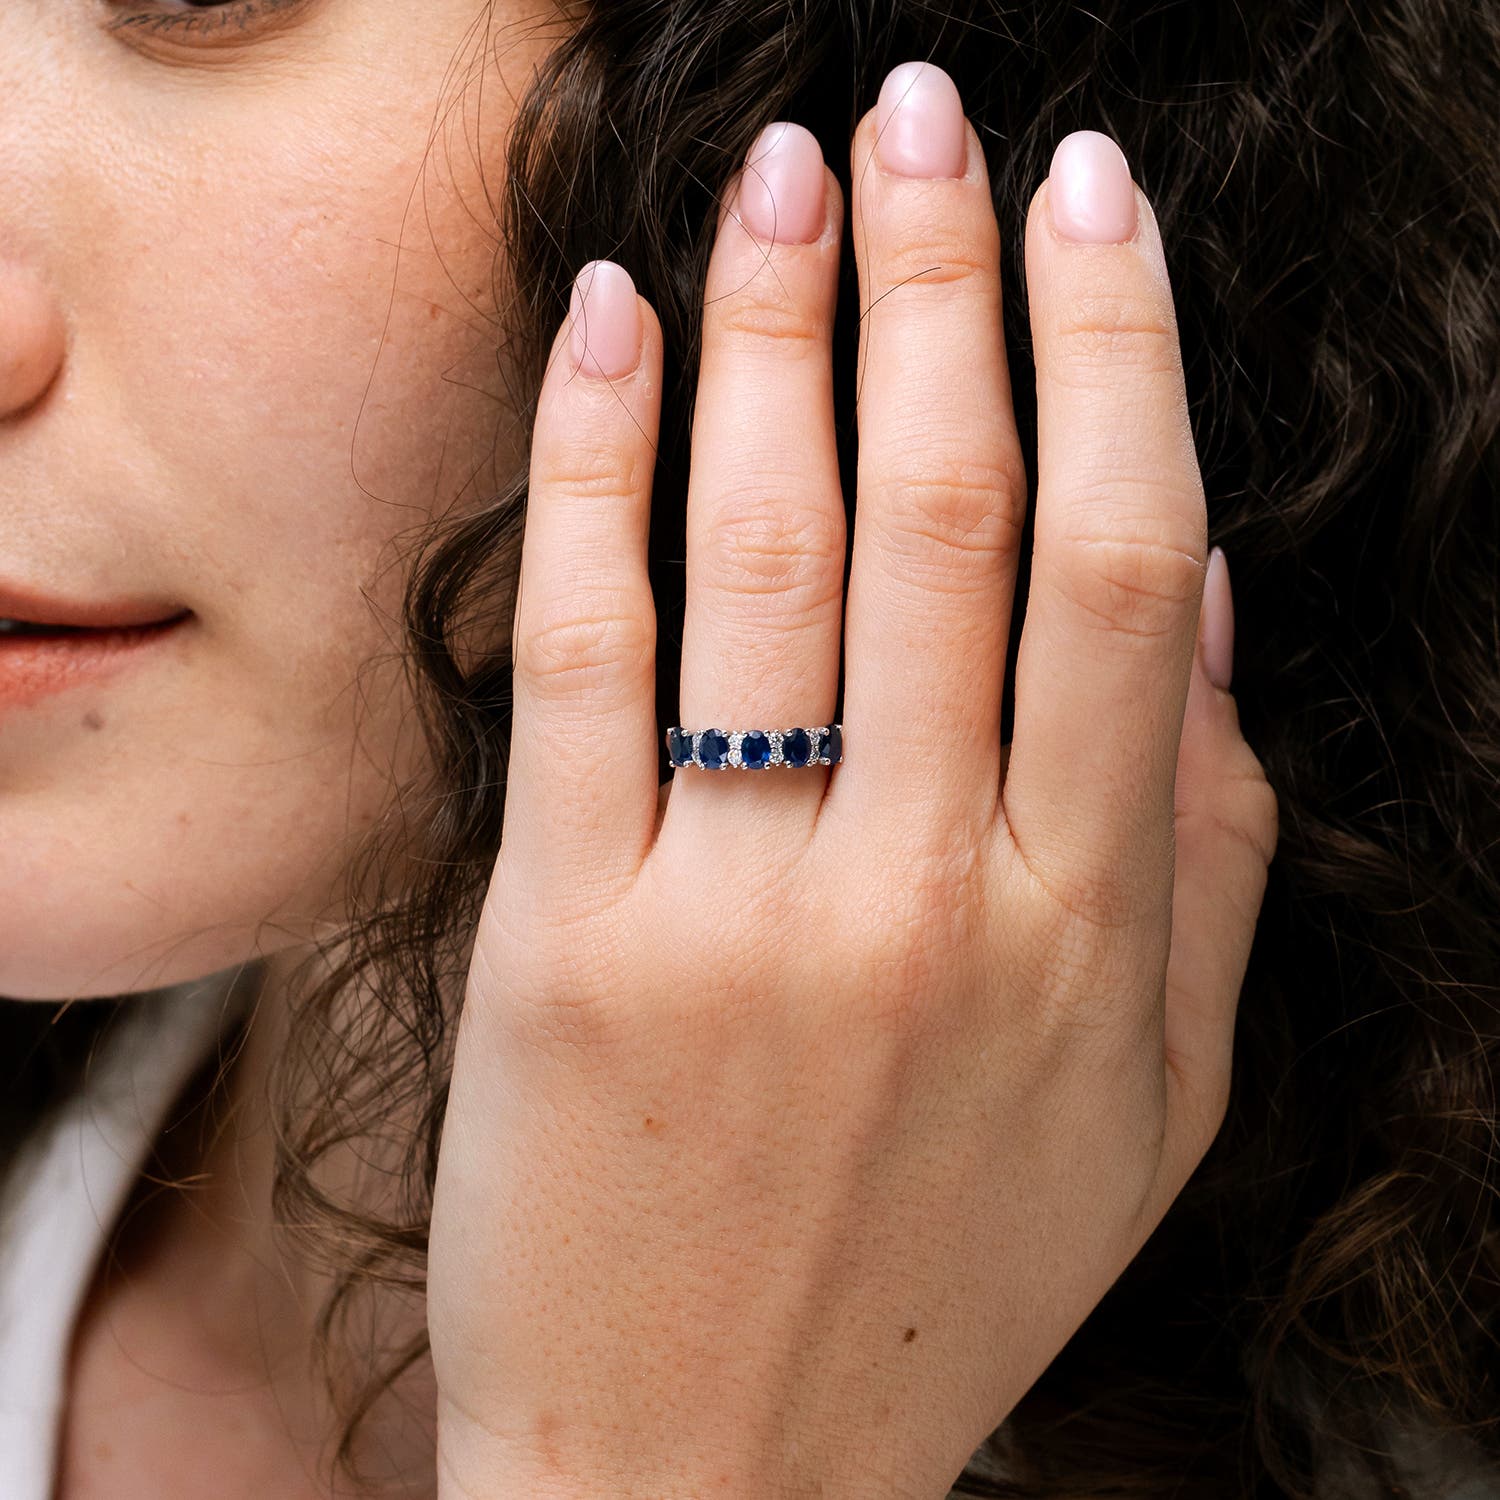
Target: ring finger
[{"x": 765, "y": 514}]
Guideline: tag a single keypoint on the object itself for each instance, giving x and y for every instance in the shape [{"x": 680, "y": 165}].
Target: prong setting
[{"x": 725, "y": 749}]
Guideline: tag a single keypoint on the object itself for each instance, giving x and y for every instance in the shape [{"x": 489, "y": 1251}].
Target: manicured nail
[
  {"x": 919, "y": 123},
  {"x": 782, "y": 189},
  {"x": 606, "y": 321},
  {"x": 1089, "y": 189},
  {"x": 1218, "y": 620}
]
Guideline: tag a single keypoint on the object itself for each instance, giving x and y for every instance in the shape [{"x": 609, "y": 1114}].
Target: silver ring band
[{"x": 755, "y": 749}]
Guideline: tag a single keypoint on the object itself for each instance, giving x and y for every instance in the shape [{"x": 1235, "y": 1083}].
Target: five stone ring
[{"x": 754, "y": 749}]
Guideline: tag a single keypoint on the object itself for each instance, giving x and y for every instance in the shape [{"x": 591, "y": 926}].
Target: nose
[{"x": 32, "y": 337}]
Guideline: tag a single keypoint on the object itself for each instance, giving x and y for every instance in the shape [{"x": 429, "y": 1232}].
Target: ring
[{"x": 754, "y": 749}]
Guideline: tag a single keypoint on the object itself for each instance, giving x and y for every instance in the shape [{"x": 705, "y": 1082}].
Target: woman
[{"x": 806, "y": 1126}]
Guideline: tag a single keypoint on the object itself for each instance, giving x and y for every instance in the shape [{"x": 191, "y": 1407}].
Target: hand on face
[{"x": 795, "y": 1131}]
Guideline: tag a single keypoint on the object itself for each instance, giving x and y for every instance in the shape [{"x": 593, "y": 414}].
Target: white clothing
[{"x": 63, "y": 1196}]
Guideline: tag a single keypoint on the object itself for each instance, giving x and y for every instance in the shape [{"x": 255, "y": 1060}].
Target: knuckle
[
  {"x": 1106, "y": 330},
  {"x": 570, "y": 653},
  {"x": 761, "y": 315},
  {"x": 1247, "y": 812},
  {"x": 907, "y": 930},
  {"x": 1252, "y": 791},
  {"x": 1101, "y": 900},
  {"x": 1085, "y": 902},
  {"x": 947, "y": 510},
  {"x": 942, "y": 255},
  {"x": 1134, "y": 584},
  {"x": 1074, "y": 996},
  {"x": 602, "y": 471},
  {"x": 557, "y": 999},
  {"x": 1091, "y": 958},
  {"x": 792, "y": 550}
]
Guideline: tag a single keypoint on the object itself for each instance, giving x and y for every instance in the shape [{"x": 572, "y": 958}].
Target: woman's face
[{"x": 247, "y": 275}]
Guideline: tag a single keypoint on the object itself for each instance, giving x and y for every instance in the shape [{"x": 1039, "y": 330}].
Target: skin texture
[
  {"x": 222, "y": 387},
  {"x": 797, "y": 1125},
  {"x": 228, "y": 391}
]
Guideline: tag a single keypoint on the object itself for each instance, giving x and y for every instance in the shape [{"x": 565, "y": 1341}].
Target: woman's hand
[{"x": 795, "y": 1131}]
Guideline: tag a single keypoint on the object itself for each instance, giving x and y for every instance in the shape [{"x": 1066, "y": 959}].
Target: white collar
[{"x": 64, "y": 1194}]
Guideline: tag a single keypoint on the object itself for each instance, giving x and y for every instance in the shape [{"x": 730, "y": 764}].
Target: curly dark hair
[{"x": 1327, "y": 1287}]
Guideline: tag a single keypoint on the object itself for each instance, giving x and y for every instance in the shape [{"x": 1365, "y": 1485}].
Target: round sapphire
[
  {"x": 679, "y": 747},
  {"x": 755, "y": 750},
  {"x": 713, "y": 750},
  {"x": 796, "y": 747}
]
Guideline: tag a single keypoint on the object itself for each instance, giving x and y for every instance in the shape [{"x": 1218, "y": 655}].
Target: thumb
[{"x": 1226, "y": 834}]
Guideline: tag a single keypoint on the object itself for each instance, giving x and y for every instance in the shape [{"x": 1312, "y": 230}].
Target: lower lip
[{"x": 33, "y": 667}]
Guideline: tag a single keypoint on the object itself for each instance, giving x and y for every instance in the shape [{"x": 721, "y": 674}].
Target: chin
[
  {"x": 88, "y": 965},
  {"x": 83, "y": 923},
  {"x": 66, "y": 956}
]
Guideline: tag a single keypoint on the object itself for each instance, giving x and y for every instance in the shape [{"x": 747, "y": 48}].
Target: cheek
[
  {"x": 289, "y": 401},
  {"x": 315, "y": 388}
]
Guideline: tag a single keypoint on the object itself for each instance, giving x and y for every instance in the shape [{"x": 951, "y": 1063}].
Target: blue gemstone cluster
[{"x": 754, "y": 749}]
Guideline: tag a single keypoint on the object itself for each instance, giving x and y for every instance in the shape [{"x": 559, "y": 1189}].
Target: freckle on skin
[
  {"x": 910, "y": 1334},
  {"x": 92, "y": 720},
  {"x": 652, "y": 1124}
]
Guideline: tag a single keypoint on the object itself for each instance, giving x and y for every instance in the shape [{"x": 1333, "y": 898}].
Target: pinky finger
[
  {"x": 581, "y": 793},
  {"x": 1226, "y": 835}
]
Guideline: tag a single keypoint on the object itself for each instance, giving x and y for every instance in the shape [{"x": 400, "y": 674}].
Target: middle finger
[{"x": 942, "y": 484}]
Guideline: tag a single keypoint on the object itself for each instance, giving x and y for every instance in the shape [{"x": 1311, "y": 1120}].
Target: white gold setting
[{"x": 734, "y": 760}]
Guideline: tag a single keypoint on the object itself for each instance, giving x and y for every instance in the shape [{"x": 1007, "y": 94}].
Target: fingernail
[
  {"x": 919, "y": 123},
  {"x": 606, "y": 321},
  {"x": 1218, "y": 621},
  {"x": 1089, "y": 189},
  {"x": 782, "y": 189}
]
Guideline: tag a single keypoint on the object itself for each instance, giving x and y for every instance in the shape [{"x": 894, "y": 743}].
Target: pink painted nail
[
  {"x": 606, "y": 321},
  {"x": 1218, "y": 620},
  {"x": 919, "y": 123},
  {"x": 1089, "y": 189},
  {"x": 782, "y": 190}
]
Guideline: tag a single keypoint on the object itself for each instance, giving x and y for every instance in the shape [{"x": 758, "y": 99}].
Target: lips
[
  {"x": 50, "y": 645},
  {"x": 26, "y": 608}
]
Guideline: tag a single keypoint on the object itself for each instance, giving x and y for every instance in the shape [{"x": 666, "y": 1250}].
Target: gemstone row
[{"x": 755, "y": 749}]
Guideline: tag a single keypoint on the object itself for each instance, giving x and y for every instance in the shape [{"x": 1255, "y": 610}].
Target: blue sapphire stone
[
  {"x": 755, "y": 750},
  {"x": 833, "y": 743},
  {"x": 796, "y": 747},
  {"x": 713, "y": 750},
  {"x": 679, "y": 747}
]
